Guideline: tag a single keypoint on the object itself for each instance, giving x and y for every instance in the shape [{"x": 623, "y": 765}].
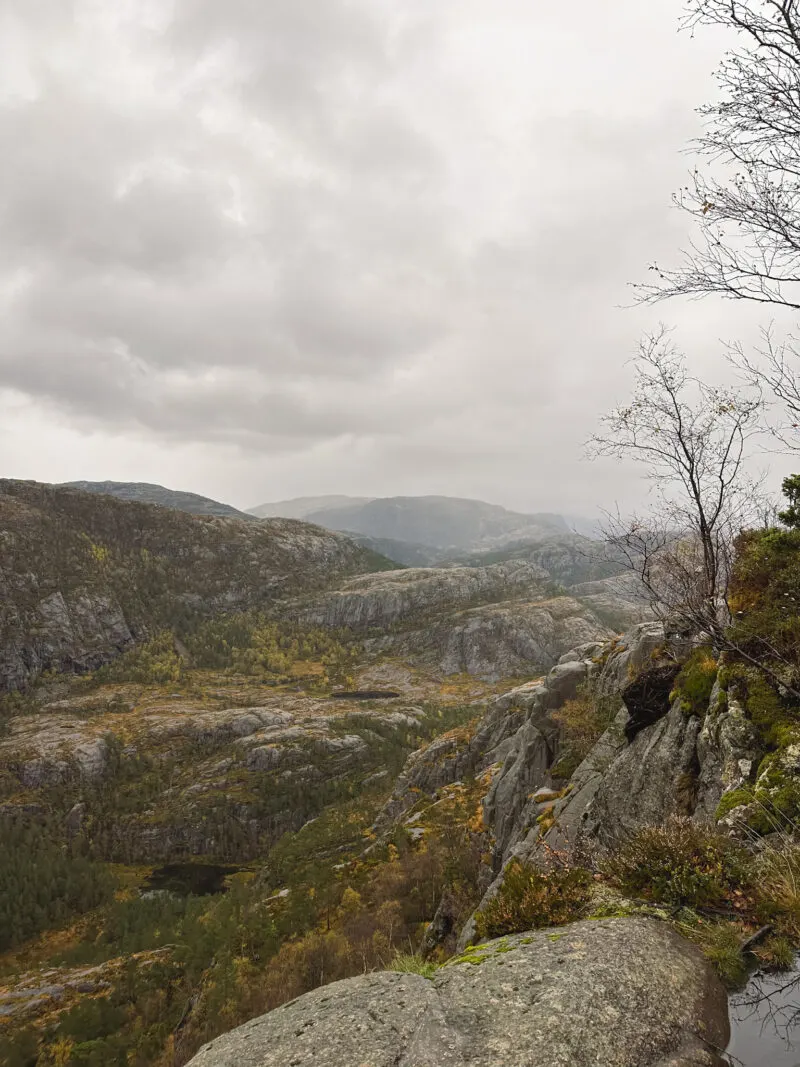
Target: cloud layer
[{"x": 270, "y": 248}]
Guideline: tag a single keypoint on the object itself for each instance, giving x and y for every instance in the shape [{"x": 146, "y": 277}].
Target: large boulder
[{"x": 616, "y": 992}]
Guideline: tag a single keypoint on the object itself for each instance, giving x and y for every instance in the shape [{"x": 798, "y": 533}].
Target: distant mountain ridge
[
  {"x": 300, "y": 506},
  {"x": 416, "y": 531},
  {"x": 148, "y": 493},
  {"x": 448, "y": 524}
]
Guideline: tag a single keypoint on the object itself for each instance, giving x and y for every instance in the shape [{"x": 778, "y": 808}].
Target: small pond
[
  {"x": 765, "y": 1021},
  {"x": 365, "y": 694},
  {"x": 190, "y": 879}
]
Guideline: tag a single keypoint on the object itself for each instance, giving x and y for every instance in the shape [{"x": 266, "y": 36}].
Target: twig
[{"x": 754, "y": 939}]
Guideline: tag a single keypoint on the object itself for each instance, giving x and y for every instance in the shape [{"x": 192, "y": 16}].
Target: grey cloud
[{"x": 377, "y": 242}]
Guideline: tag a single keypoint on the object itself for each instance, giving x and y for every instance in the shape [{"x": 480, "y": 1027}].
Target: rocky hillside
[
  {"x": 568, "y": 558},
  {"x": 634, "y": 780},
  {"x": 146, "y": 493},
  {"x": 404, "y": 553},
  {"x": 83, "y": 576},
  {"x": 153, "y": 778},
  {"x": 673, "y": 734}
]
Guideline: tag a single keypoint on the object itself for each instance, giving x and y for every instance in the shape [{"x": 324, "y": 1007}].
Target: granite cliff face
[
  {"x": 493, "y": 622},
  {"x": 382, "y": 601},
  {"x": 83, "y": 576},
  {"x": 661, "y": 756}
]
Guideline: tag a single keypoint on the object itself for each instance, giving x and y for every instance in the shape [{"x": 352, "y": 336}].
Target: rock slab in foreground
[{"x": 616, "y": 992}]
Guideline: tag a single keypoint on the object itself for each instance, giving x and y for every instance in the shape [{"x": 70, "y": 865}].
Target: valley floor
[{"x": 178, "y": 857}]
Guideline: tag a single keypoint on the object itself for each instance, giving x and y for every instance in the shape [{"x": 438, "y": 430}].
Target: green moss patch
[{"x": 696, "y": 681}]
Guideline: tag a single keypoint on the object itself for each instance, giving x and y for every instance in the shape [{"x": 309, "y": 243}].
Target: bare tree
[
  {"x": 747, "y": 201},
  {"x": 774, "y": 368},
  {"x": 691, "y": 437}
]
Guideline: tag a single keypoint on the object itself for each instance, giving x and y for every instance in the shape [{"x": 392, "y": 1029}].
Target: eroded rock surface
[
  {"x": 617, "y": 992},
  {"x": 386, "y": 599},
  {"x": 659, "y": 757},
  {"x": 499, "y": 640}
]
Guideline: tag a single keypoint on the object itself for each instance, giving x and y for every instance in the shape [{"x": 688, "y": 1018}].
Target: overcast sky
[{"x": 268, "y": 248}]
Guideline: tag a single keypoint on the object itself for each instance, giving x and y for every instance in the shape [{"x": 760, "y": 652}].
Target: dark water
[
  {"x": 765, "y": 1021},
  {"x": 365, "y": 694},
  {"x": 195, "y": 879}
]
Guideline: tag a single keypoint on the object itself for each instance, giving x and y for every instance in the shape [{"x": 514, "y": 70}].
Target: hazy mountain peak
[
  {"x": 300, "y": 506},
  {"x": 442, "y": 522}
]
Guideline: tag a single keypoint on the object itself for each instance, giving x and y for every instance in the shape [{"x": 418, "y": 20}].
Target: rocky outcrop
[
  {"x": 514, "y": 735},
  {"x": 511, "y": 804},
  {"x": 647, "y": 696},
  {"x": 78, "y": 632},
  {"x": 619, "y": 600},
  {"x": 658, "y": 758},
  {"x": 679, "y": 765},
  {"x": 493, "y": 622},
  {"x": 650, "y": 779},
  {"x": 617, "y": 992},
  {"x": 728, "y": 750},
  {"x": 35, "y": 994}
]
